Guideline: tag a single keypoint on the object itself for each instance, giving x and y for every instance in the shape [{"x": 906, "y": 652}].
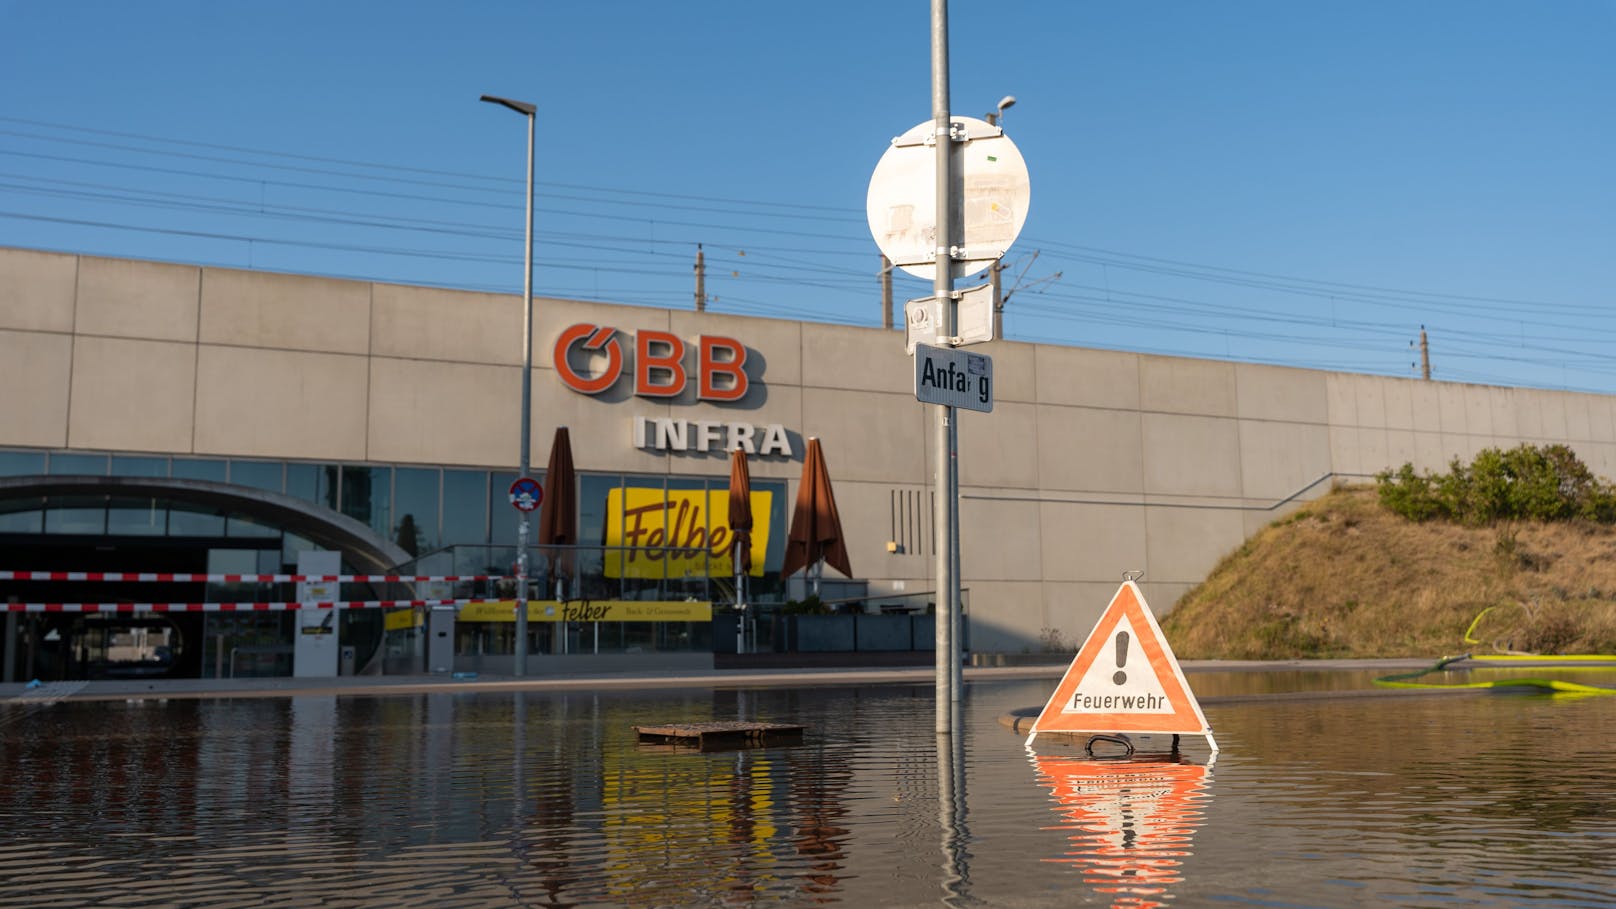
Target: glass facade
[
  {"x": 657, "y": 542},
  {"x": 641, "y": 537}
]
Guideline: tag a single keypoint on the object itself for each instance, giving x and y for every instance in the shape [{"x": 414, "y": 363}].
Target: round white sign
[{"x": 991, "y": 194}]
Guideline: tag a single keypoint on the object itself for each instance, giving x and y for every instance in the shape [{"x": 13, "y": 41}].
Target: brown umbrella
[
  {"x": 740, "y": 528},
  {"x": 558, "y": 514},
  {"x": 816, "y": 528},
  {"x": 740, "y": 513}
]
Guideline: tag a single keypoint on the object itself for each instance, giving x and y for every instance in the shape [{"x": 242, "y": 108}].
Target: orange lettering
[
  {"x": 650, "y": 367},
  {"x": 599, "y": 338},
  {"x": 711, "y": 367}
]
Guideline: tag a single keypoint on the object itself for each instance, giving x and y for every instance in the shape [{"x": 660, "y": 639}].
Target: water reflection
[
  {"x": 497, "y": 800},
  {"x": 1129, "y": 822}
]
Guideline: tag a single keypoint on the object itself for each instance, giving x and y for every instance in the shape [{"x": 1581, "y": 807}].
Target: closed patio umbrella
[
  {"x": 740, "y": 528},
  {"x": 558, "y": 513},
  {"x": 816, "y": 528}
]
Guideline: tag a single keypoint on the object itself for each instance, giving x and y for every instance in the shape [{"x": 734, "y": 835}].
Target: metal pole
[
  {"x": 943, "y": 289},
  {"x": 527, "y": 413}
]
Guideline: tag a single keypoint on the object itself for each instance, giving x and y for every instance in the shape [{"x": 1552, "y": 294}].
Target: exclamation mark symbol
[{"x": 1122, "y": 658}]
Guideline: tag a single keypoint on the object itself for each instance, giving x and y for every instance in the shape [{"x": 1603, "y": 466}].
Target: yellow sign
[
  {"x": 401, "y": 619},
  {"x": 589, "y": 611},
  {"x": 678, "y": 533}
]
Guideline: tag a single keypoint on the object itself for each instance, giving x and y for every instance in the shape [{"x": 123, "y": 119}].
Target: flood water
[{"x": 495, "y": 800}]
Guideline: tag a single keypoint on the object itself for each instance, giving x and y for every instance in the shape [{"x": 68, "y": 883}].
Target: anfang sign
[{"x": 944, "y": 375}]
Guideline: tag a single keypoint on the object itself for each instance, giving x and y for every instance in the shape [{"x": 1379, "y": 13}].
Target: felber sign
[
  {"x": 591, "y": 359},
  {"x": 945, "y": 375}
]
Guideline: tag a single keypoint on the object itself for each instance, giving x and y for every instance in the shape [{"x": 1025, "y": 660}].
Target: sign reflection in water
[{"x": 1129, "y": 823}]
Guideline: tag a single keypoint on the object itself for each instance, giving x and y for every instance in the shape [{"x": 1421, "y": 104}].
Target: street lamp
[
  {"x": 997, "y": 117},
  {"x": 526, "y": 110}
]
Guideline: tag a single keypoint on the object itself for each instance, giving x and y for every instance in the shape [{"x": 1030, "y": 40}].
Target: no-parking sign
[{"x": 526, "y": 494}]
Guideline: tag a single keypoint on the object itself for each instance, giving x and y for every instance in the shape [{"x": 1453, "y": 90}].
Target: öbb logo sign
[{"x": 659, "y": 363}]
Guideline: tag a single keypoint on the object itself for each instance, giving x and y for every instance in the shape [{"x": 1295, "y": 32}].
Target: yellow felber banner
[
  {"x": 590, "y": 611},
  {"x": 678, "y": 533}
]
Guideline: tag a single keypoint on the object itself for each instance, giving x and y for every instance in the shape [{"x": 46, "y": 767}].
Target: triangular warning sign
[{"x": 1124, "y": 679}]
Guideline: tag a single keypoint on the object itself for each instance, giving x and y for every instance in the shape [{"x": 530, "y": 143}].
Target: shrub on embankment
[{"x": 1524, "y": 539}]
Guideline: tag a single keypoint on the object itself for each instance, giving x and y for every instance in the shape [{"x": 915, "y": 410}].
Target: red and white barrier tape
[
  {"x": 228, "y": 607},
  {"x": 240, "y": 578}
]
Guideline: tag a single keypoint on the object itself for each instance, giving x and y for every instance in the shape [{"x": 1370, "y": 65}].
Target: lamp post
[{"x": 526, "y": 110}]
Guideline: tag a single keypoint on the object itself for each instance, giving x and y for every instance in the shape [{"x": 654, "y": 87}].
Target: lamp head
[{"x": 521, "y": 107}]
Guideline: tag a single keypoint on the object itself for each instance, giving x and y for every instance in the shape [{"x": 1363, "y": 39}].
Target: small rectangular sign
[
  {"x": 922, "y": 320},
  {"x": 945, "y": 375}
]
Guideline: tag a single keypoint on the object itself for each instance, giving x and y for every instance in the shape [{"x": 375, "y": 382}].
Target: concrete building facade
[{"x": 1092, "y": 463}]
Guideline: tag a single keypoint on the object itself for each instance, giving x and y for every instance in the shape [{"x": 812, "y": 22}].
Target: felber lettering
[
  {"x": 680, "y": 534},
  {"x": 583, "y": 612}
]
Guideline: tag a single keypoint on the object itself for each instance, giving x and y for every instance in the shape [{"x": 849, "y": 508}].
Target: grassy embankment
[{"x": 1346, "y": 577}]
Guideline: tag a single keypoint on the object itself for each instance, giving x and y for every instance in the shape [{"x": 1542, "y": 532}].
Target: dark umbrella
[
  {"x": 816, "y": 528},
  {"x": 740, "y": 513},
  {"x": 740, "y": 528},
  {"x": 558, "y": 514}
]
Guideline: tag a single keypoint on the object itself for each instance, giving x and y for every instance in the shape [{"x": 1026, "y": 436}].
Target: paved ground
[{"x": 415, "y": 684}]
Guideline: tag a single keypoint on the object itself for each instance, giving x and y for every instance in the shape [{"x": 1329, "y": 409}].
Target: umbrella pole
[{"x": 740, "y": 605}]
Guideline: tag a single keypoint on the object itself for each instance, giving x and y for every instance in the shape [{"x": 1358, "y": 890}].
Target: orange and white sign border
[{"x": 1185, "y": 716}]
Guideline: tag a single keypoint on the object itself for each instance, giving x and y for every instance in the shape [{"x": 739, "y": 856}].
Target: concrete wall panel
[
  {"x": 999, "y": 448},
  {"x": 1505, "y": 424},
  {"x": 424, "y": 412},
  {"x": 423, "y": 323},
  {"x": 1463, "y": 447},
  {"x": 1006, "y": 616},
  {"x": 863, "y": 435},
  {"x": 1087, "y": 449},
  {"x": 1281, "y": 459},
  {"x": 1425, "y": 402},
  {"x": 1345, "y": 454},
  {"x": 1372, "y": 404},
  {"x": 1552, "y": 408},
  {"x": 1430, "y": 453},
  {"x": 284, "y": 312},
  {"x": 1274, "y": 393},
  {"x": 1399, "y": 397},
  {"x": 999, "y": 538},
  {"x": 1579, "y": 423},
  {"x": 1087, "y": 378},
  {"x": 1452, "y": 416},
  {"x": 1015, "y": 370},
  {"x": 1375, "y": 453},
  {"x": 35, "y": 369},
  {"x": 127, "y": 299},
  {"x": 1341, "y": 394},
  {"x": 1400, "y": 450},
  {"x": 855, "y": 359},
  {"x": 1187, "y": 543},
  {"x": 113, "y": 381},
  {"x": 1478, "y": 410},
  {"x": 1601, "y": 425},
  {"x": 281, "y": 404},
  {"x": 37, "y": 290},
  {"x": 1172, "y": 385},
  {"x": 1191, "y": 456},
  {"x": 1083, "y": 541}
]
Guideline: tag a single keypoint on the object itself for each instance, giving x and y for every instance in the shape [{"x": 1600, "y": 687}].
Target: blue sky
[{"x": 1296, "y": 183}]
